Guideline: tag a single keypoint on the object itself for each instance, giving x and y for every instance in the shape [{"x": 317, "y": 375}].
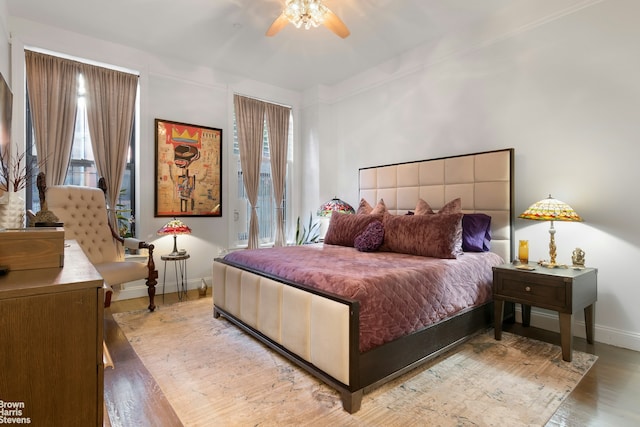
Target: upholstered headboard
[{"x": 483, "y": 181}]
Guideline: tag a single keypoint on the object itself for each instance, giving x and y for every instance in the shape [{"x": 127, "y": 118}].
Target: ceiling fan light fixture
[{"x": 307, "y": 13}]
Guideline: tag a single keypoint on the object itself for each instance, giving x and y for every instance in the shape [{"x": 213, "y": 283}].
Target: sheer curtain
[
  {"x": 278, "y": 127},
  {"x": 52, "y": 83},
  {"x": 250, "y": 123},
  {"x": 110, "y": 100}
]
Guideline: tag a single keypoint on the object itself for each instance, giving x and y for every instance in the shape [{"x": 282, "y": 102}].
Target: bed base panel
[
  {"x": 283, "y": 351},
  {"x": 388, "y": 361},
  {"x": 314, "y": 327}
]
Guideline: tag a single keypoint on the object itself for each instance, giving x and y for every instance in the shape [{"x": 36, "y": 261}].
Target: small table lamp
[
  {"x": 335, "y": 205},
  {"x": 174, "y": 227},
  {"x": 551, "y": 209}
]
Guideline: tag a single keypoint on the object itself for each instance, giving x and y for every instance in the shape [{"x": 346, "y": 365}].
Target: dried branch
[{"x": 14, "y": 175}]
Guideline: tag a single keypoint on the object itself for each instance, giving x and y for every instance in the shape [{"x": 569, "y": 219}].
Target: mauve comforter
[{"x": 398, "y": 293}]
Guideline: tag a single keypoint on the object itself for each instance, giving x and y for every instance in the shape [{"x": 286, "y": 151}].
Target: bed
[{"x": 324, "y": 318}]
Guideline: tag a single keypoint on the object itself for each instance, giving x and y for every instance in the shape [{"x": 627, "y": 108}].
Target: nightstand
[{"x": 564, "y": 290}]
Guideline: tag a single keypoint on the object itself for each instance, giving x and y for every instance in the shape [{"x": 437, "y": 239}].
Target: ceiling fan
[{"x": 307, "y": 14}]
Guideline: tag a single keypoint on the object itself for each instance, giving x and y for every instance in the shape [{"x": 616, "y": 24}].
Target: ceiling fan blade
[
  {"x": 277, "y": 25},
  {"x": 335, "y": 24}
]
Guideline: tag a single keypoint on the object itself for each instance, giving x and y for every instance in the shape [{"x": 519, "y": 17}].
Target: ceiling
[{"x": 228, "y": 35}]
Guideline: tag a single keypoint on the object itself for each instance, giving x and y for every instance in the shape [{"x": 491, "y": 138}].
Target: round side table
[{"x": 180, "y": 268}]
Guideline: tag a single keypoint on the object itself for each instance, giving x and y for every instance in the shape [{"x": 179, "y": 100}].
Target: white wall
[
  {"x": 170, "y": 90},
  {"x": 557, "y": 81},
  {"x": 5, "y": 63},
  {"x": 562, "y": 88}
]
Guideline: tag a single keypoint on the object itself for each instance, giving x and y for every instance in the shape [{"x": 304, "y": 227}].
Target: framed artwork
[{"x": 188, "y": 170}]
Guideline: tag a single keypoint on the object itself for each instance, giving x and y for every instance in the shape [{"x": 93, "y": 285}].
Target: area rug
[{"x": 215, "y": 374}]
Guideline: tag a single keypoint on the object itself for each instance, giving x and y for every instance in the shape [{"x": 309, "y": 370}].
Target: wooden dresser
[{"x": 51, "y": 368}]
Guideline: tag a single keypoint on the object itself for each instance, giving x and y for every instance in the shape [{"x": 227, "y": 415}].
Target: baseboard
[
  {"x": 548, "y": 320},
  {"x": 138, "y": 289}
]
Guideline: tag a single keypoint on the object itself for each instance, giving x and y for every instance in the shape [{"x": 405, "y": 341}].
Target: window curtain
[
  {"x": 250, "y": 124},
  {"x": 52, "y": 83},
  {"x": 110, "y": 101},
  {"x": 278, "y": 128}
]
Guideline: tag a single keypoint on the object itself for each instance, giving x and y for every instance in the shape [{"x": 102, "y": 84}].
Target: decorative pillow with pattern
[
  {"x": 423, "y": 208},
  {"x": 371, "y": 238},
  {"x": 364, "y": 208},
  {"x": 438, "y": 236},
  {"x": 381, "y": 208},
  {"x": 344, "y": 228},
  {"x": 453, "y": 206}
]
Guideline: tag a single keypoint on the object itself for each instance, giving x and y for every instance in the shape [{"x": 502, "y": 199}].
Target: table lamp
[
  {"x": 335, "y": 205},
  {"x": 551, "y": 209},
  {"x": 174, "y": 227}
]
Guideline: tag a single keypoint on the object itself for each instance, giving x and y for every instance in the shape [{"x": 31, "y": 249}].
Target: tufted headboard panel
[{"x": 483, "y": 181}]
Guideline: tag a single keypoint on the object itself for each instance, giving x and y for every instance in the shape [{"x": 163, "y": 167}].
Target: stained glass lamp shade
[
  {"x": 174, "y": 227},
  {"x": 335, "y": 205},
  {"x": 551, "y": 209}
]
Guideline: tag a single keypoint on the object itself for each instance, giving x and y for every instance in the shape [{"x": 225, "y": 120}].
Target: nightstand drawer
[{"x": 545, "y": 294}]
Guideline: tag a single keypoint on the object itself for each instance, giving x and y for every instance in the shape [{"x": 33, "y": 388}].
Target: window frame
[
  {"x": 238, "y": 189},
  {"x": 126, "y": 205}
]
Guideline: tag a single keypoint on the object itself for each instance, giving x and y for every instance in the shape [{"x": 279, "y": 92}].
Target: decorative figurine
[
  {"x": 202, "y": 290},
  {"x": 578, "y": 257}
]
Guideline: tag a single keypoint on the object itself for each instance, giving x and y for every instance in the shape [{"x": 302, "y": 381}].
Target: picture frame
[{"x": 188, "y": 171}]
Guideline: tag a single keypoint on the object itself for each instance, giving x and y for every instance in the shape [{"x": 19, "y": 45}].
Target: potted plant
[{"x": 309, "y": 235}]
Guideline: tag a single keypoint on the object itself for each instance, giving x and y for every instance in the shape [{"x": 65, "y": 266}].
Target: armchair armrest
[{"x": 133, "y": 243}]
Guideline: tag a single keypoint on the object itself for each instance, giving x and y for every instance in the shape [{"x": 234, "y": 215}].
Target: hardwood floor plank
[
  {"x": 607, "y": 395},
  {"x": 132, "y": 396}
]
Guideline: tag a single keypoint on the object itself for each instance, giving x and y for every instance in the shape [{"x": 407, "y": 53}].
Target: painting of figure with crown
[{"x": 188, "y": 169}]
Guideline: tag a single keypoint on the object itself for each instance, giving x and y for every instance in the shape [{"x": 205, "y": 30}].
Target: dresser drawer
[{"x": 551, "y": 294}]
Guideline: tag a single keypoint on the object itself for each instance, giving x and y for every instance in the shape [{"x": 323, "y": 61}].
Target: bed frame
[{"x": 319, "y": 331}]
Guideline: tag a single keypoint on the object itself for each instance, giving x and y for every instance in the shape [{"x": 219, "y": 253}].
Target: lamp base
[{"x": 175, "y": 252}]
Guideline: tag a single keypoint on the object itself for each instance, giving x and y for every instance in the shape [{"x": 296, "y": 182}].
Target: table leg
[
  {"x": 164, "y": 280},
  {"x": 589, "y": 322},
  {"x": 183, "y": 277},
  {"x": 526, "y": 314},
  {"x": 176, "y": 265},
  {"x": 566, "y": 335},
  {"x": 498, "y": 310}
]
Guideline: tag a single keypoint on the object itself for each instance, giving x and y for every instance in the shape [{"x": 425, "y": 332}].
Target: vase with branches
[{"x": 14, "y": 174}]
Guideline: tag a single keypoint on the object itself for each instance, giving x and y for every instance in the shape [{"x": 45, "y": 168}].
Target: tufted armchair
[{"x": 83, "y": 210}]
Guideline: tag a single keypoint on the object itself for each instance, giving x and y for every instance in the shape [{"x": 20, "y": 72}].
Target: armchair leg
[
  {"x": 151, "y": 289},
  {"x": 152, "y": 278}
]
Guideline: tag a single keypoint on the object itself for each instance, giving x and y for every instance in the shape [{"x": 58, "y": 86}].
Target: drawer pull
[{"x": 528, "y": 289}]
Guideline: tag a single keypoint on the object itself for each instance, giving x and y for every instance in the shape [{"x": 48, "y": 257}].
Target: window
[
  {"x": 266, "y": 204},
  {"x": 82, "y": 169}
]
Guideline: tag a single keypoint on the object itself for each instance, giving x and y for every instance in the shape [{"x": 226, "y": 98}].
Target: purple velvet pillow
[
  {"x": 438, "y": 236},
  {"x": 371, "y": 238},
  {"x": 476, "y": 232},
  {"x": 344, "y": 228}
]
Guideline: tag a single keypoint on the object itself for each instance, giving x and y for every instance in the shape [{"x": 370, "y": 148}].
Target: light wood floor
[{"x": 606, "y": 396}]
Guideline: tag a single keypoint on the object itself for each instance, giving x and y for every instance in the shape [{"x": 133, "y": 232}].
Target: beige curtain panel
[
  {"x": 111, "y": 102},
  {"x": 278, "y": 128},
  {"x": 52, "y": 83},
  {"x": 250, "y": 124}
]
